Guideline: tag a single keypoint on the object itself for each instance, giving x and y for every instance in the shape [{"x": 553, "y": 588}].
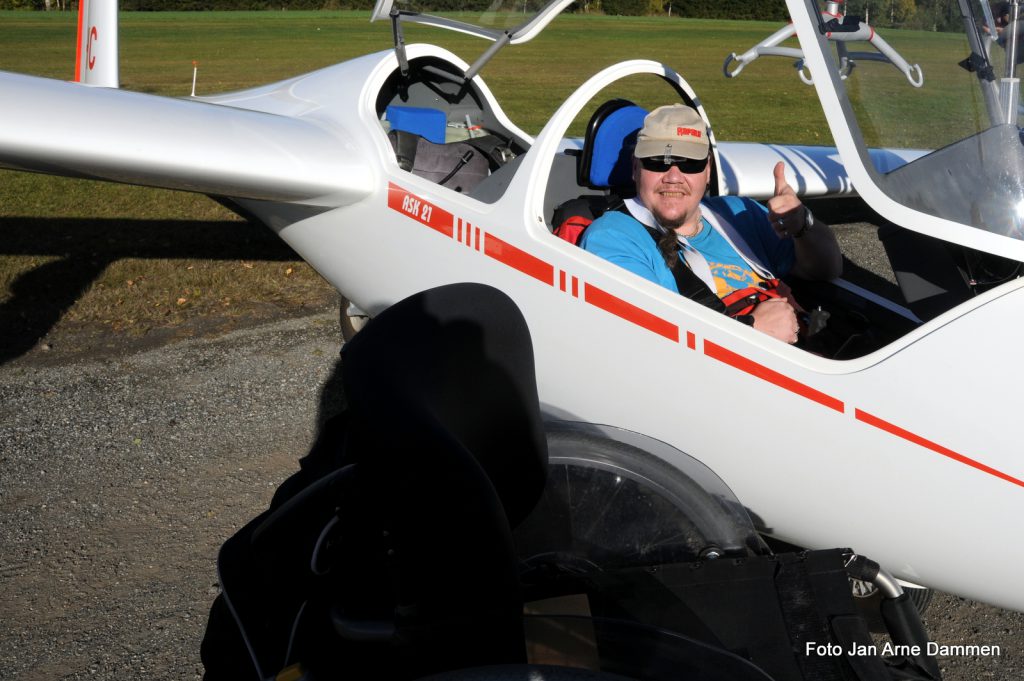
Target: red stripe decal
[
  {"x": 78, "y": 45},
  {"x": 561, "y": 280},
  {"x": 575, "y": 287},
  {"x": 928, "y": 444},
  {"x": 409, "y": 204},
  {"x": 629, "y": 312},
  {"x": 517, "y": 258},
  {"x": 477, "y": 233},
  {"x": 729, "y": 357},
  {"x": 691, "y": 340}
]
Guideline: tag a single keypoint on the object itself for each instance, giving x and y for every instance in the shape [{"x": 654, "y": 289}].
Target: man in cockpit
[{"x": 672, "y": 234}]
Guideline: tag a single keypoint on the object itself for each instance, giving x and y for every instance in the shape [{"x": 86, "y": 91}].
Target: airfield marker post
[{"x": 195, "y": 72}]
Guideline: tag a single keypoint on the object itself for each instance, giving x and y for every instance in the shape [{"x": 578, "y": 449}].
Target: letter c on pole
[{"x": 93, "y": 35}]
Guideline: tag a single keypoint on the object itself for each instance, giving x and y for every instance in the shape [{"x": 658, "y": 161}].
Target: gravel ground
[{"x": 121, "y": 476}]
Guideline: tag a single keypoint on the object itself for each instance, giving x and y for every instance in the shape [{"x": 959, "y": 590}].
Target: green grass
[
  {"x": 767, "y": 102},
  {"x": 205, "y": 267},
  {"x": 238, "y": 49}
]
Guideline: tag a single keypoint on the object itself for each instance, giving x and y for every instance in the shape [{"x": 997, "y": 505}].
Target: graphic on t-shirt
[
  {"x": 730, "y": 277},
  {"x": 728, "y": 268}
]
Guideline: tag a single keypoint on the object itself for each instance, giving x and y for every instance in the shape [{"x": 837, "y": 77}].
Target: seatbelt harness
[{"x": 690, "y": 284}]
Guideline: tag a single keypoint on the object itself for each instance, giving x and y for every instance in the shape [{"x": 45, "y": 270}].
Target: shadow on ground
[{"x": 84, "y": 248}]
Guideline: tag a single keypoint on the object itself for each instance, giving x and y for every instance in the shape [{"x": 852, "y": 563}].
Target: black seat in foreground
[{"x": 399, "y": 562}]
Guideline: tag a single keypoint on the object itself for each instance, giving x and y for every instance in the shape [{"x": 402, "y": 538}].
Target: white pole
[{"x": 195, "y": 71}]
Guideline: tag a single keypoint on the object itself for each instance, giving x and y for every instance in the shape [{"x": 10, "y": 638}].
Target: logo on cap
[{"x": 688, "y": 132}]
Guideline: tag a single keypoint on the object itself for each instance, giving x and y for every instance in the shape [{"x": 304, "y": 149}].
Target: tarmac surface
[{"x": 121, "y": 475}]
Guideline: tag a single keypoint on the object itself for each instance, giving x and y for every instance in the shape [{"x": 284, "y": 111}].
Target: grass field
[{"x": 133, "y": 259}]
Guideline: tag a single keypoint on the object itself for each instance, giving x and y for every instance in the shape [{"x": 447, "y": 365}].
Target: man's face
[{"x": 672, "y": 196}]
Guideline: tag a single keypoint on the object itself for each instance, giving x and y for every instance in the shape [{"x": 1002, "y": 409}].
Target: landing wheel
[
  {"x": 868, "y": 599},
  {"x": 352, "y": 319},
  {"x": 615, "y": 502}
]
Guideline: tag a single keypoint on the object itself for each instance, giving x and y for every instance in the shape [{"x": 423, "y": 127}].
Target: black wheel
[{"x": 611, "y": 503}]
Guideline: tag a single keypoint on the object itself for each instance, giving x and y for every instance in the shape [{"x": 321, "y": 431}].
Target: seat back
[
  {"x": 605, "y": 163},
  {"x": 607, "y": 158}
]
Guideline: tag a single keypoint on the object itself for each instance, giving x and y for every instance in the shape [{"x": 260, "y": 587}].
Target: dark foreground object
[{"x": 391, "y": 554}]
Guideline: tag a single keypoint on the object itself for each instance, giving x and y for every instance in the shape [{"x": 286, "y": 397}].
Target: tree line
[{"x": 932, "y": 15}]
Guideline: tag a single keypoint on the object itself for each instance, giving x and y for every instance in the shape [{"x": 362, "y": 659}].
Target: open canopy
[
  {"x": 970, "y": 188},
  {"x": 500, "y": 23}
]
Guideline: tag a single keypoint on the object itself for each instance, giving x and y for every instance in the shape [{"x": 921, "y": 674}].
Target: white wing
[
  {"x": 177, "y": 144},
  {"x": 812, "y": 171}
]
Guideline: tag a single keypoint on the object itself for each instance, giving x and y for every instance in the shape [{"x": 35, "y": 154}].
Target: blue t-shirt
[{"x": 621, "y": 239}]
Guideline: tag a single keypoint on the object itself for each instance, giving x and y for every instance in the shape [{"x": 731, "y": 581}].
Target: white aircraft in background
[{"x": 905, "y": 444}]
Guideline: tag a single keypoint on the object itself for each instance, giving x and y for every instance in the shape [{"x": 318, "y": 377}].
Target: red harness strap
[{"x": 744, "y": 300}]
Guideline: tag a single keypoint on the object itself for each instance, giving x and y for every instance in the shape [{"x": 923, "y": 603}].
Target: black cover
[
  {"x": 461, "y": 353},
  {"x": 765, "y": 609},
  {"x": 389, "y": 555}
]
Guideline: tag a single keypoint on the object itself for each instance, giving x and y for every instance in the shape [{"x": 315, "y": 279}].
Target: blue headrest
[
  {"x": 611, "y": 137},
  {"x": 427, "y": 123}
]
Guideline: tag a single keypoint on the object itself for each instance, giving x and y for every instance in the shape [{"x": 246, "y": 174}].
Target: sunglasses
[{"x": 687, "y": 166}]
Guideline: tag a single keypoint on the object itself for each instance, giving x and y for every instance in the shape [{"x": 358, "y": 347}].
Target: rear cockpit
[
  {"x": 441, "y": 121},
  {"x": 449, "y": 130}
]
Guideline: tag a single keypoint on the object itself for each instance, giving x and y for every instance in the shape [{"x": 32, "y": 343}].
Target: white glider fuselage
[{"x": 909, "y": 454}]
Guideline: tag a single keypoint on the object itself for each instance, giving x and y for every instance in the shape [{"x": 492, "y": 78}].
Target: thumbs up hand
[{"x": 785, "y": 211}]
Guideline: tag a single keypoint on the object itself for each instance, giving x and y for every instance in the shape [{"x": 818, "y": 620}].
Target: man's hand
[
  {"x": 777, "y": 318},
  {"x": 785, "y": 211}
]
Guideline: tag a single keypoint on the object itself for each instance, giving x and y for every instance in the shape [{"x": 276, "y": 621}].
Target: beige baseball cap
[{"x": 673, "y": 130}]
